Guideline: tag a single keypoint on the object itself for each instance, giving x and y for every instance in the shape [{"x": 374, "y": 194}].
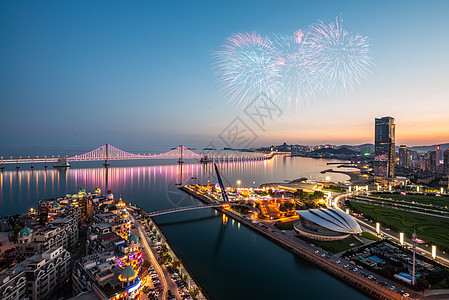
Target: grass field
[
  {"x": 335, "y": 246},
  {"x": 285, "y": 225},
  {"x": 434, "y": 200},
  {"x": 428, "y": 228},
  {"x": 369, "y": 236}
]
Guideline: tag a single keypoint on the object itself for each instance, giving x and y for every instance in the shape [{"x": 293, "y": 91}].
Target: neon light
[
  {"x": 134, "y": 287},
  {"x": 120, "y": 263}
]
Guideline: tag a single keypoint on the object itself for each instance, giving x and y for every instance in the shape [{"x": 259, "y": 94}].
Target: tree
[
  {"x": 146, "y": 264},
  {"x": 176, "y": 264},
  {"x": 421, "y": 283},
  {"x": 195, "y": 292},
  {"x": 146, "y": 289}
]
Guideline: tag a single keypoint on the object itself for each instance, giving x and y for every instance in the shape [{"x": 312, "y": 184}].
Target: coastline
[
  {"x": 191, "y": 281},
  {"x": 356, "y": 281}
]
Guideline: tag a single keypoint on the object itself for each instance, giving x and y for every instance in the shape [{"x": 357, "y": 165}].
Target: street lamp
[
  {"x": 378, "y": 228},
  {"x": 401, "y": 238},
  {"x": 434, "y": 252},
  {"x": 238, "y": 183}
]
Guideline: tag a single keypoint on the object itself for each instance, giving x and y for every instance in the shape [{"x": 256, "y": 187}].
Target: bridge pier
[
  {"x": 17, "y": 166},
  {"x": 106, "y": 163}
]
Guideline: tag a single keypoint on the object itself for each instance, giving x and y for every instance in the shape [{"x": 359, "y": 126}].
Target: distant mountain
[
  {"x": 339, "y": 151},
  {"x": 425, "y": 149}
]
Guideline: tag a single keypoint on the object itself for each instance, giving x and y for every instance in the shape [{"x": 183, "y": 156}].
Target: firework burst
[
  {"x": 246, "y": 67},
  {"x": 292, "y": 69},
  {"x": 342, "y": 57}
]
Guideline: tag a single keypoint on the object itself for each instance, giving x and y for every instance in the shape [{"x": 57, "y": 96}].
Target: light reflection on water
[{"x": 230, "y": 261}]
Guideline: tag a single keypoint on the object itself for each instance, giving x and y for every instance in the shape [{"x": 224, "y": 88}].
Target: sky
[{"x": 138, "y": 74}]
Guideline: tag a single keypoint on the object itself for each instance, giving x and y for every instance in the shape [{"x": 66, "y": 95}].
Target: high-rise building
[
  {"x": 431, "y": 162},
  {"x": 404, "y": 156},
  {"x": 446, "y": 162},
  {"x": 384, "y": 148}
]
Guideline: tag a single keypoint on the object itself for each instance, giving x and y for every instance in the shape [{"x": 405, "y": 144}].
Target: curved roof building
[
  {"x": 25, "y": 231},
  {"x": 326, "y": 224}
]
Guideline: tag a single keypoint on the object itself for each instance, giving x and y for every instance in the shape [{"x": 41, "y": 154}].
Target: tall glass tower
[{"x": 384, "y": 142}]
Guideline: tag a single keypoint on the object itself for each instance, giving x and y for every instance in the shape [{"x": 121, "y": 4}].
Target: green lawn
[
  {"x": 240, "y": 209},
  {"x": 434, "y": 200},
  {"x": 335, "y": 246},
  {"x": 428, "y": 228},
  {"x": 285, "y": 225},
  {"x": 369, "y": 236}
]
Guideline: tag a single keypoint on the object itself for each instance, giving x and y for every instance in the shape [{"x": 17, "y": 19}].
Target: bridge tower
[
  {"x": 106, "y": 156},
  {"x": 226, "y": 203},
  {"x": 180, "y": 160}
]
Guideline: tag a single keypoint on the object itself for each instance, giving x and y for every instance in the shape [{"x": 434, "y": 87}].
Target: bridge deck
[{"x": 179, "y": 209}]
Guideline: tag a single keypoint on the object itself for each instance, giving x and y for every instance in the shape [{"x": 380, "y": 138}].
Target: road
[{"x": 149, "y": 255}]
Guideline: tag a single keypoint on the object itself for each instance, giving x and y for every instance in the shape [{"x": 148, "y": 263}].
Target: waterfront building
[
  {"x": 404, "y": 156},
  {"x": 384, "y": 148},
  {"x": 82, "y": 200},
  {"x": 326, "y": 224},
  {"x": 36, "y": 277}
]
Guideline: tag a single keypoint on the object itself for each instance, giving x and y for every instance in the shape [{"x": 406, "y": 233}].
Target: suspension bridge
[{"x": 108, "y": 152}]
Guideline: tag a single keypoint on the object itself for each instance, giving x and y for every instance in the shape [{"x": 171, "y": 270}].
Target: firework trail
[
  {"x": 298, "y": 77},
  {"x": 343, "y": 57},
  {"x": 246, "y": 67},
  {"x": 292, "y": 69}
]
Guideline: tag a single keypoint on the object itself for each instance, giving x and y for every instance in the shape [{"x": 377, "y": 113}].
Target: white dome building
[{"x": 326, "y": 224}]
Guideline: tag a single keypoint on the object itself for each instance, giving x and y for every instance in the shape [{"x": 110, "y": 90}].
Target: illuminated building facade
[
  {"x": 431, "y": 162},
  {"x": 404, "y": 156},
  {"x": 384, "y": 148},
  {"x": 446, "y": 162},
  {"x": 106, "y": 276}
]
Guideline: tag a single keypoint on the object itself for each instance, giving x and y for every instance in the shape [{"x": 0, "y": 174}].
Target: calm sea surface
[{"x": 229, "y": 260}]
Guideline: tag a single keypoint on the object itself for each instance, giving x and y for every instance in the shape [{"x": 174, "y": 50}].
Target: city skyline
[{"x": 141, "y": 75}]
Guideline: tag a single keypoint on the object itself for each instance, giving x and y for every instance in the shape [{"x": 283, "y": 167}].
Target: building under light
[
  {"x": 326, "y": 224},
  {"x": 384, "y": 148}
]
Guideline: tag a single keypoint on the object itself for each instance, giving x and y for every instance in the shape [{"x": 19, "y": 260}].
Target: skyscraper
[
  {"x": 384, "y": 143},
  {"x": 446, "y": 162},
  {"x": 431, "y": 162},
  {"x": 404, "y": 156}
]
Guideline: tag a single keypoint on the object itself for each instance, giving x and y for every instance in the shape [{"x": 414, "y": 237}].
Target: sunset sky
[{"x": 139, "y": 73}]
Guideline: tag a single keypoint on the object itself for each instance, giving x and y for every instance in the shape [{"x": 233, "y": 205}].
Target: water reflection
[{"x": 22, "y": 189}]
